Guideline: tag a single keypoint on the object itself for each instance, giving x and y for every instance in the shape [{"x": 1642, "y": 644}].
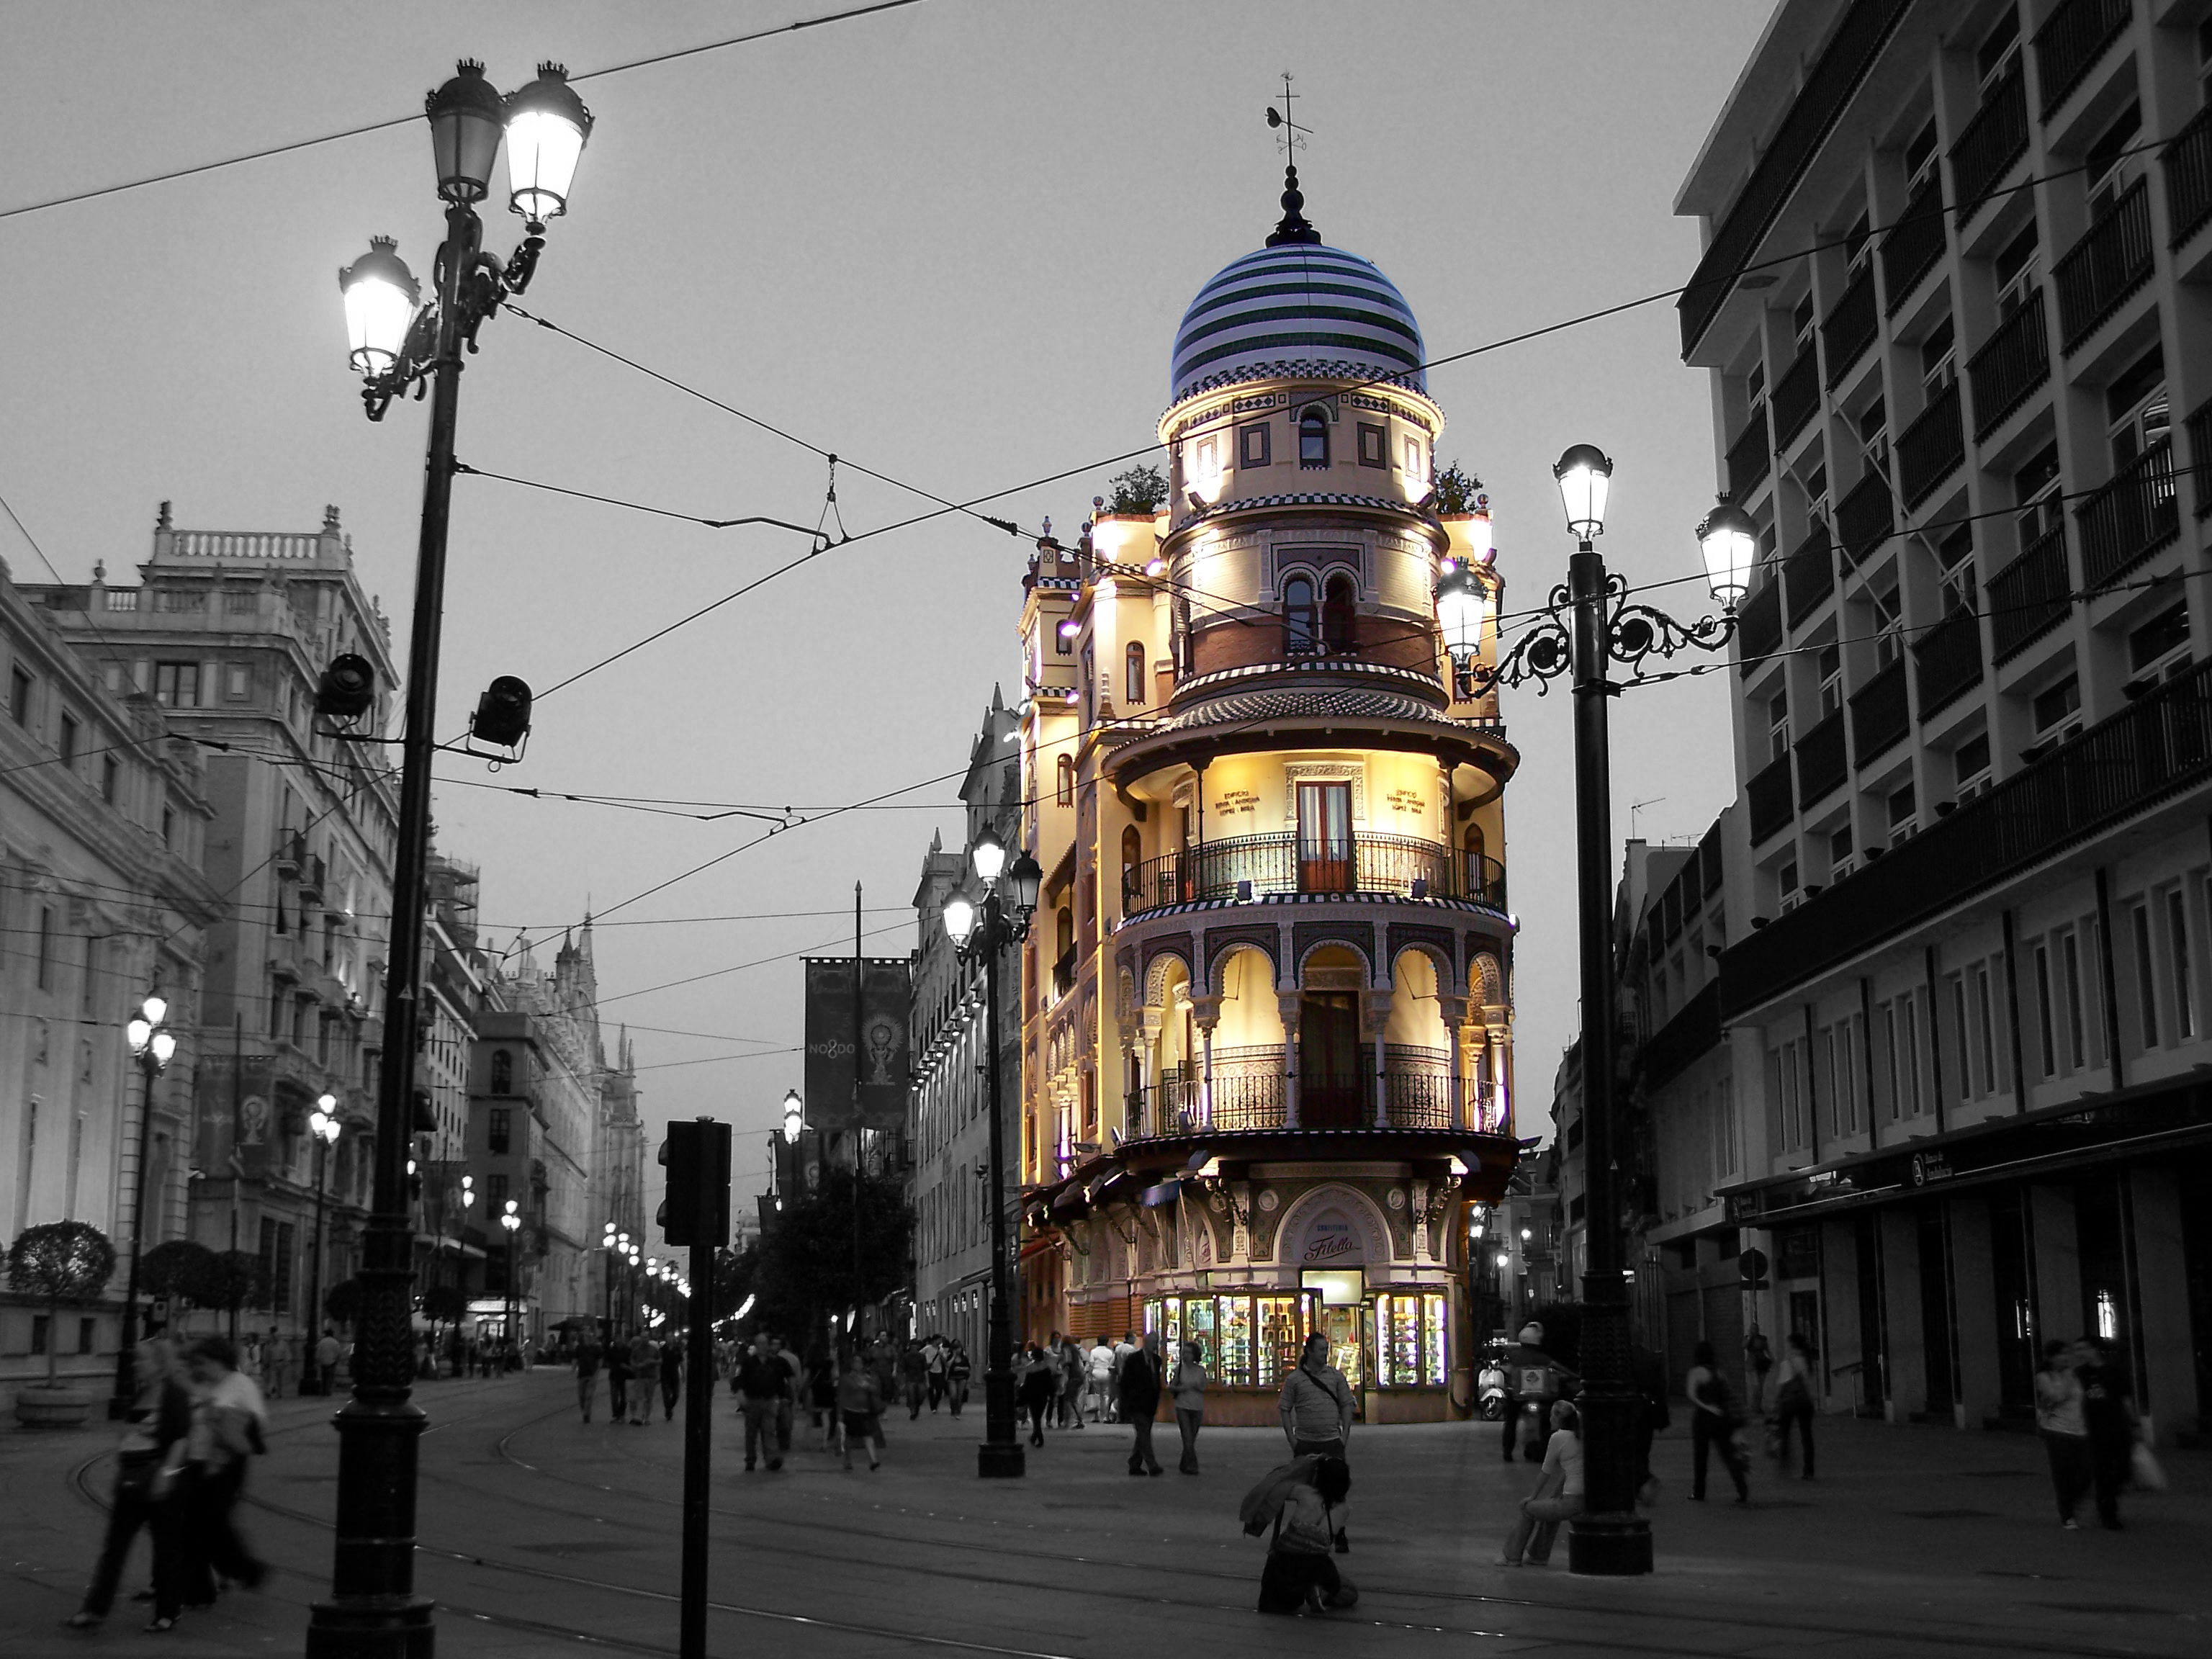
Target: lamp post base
[
  {"x": 1609, "y": 1546},
  {"x": 997, "y": 1460},
  {"x": 373, "y": 1627}
]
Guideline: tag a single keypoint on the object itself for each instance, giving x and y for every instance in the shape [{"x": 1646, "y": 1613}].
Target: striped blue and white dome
[{"x": 1296, "y": 308}]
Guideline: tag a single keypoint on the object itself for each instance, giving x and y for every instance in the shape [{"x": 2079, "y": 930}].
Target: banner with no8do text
[{"x": 878, "y": 1037}]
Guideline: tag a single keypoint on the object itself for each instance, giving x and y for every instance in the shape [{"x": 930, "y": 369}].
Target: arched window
[
  {"x": 1133, "y": 693},
  {"x": 1301, "y": 617},
  {"x": 502, "y": 1071},
  {"x": 1064, "y": 931},
  {"x": 1066, "y": 794},
  {"x": 1313, "y": 439},
  {"x": 1338, "y": 608}
]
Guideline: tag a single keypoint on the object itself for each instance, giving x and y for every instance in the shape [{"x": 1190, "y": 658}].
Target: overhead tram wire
[{"x": 368, "y": 127}]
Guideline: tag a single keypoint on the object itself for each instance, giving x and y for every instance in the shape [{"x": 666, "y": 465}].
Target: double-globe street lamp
[
  {"x": 323, "y": 1124},
  {"x": 511, "y": 1219},
  {"x": 1002, "y": 919},
  {"x": 1588, "y": 625},
  {"x": 396, "y": 342},
  {"x": 152, "y": 1043}
]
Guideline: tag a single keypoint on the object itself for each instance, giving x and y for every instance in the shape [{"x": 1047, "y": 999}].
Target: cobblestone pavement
[{"x": 542, "y": 1534}]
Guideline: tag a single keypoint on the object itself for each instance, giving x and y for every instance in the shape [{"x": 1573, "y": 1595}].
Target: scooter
[
  {"x": 1534, "y": 1429},
  {"x": 1492, "y": 1393}
]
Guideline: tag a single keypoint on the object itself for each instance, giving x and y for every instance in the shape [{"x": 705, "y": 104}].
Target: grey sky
[{"x": 951, "y": 242}]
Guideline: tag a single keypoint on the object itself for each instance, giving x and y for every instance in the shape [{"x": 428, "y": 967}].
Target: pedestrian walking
[
  {"x": 2108, "y": 1412},
  {"x": 327, "y": 1360},
  {"x": 644, "y": 1371},
  {"x": 1793, "y": 1403},
  {"x": 228, "y": 1426},
  {"x": 617, "y": 1379},
  {"x": 2060, "y": 1426},
  {"x": 763, "y": 1381},
  {"x": 859, "y": 1409},
  {"x": 672, "y": 1377},
  {"x": 1648, "y": 1373},
  {"x": 1316, "y": 1408},
  {"x": 935, "y": 1351},
  {"x": 161, "y": 1418},
  {"x": 957, "y": 1370},
  {"x": 822, "y": 1395},
  {"x": 1036, "y": 1383},
  {"x": 277, "y": 1351},
  {"x": 1137, "y": 1390},
  {"x": 1758, "y": 1361},
  {"x": 1188, "y": 1387},
  {"x": 913, "y": 1376},
  {"x": 1558, "y": 1496},
  {"x": 1715, "y": 1422},
  {"x": 589, "y": 1355},
  {"x": 1299, "y": 1576},
  {"x": 786, "y": 1406},
  {"x": 1099, "y": 1364}
]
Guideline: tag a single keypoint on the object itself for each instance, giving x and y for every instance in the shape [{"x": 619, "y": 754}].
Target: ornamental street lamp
[
  {"x": 607, "y": 1281},
  {"x": 1010, "y": 897},
  {"x": 1588, "y": 625},
  {"x": 397, "y": 342},
  {"x": 323, "y": 1124},
  {"x": 794, "y": 1117},
  {"x": 513, "y": 1222},
  {"x": 152, "y": 1043}
]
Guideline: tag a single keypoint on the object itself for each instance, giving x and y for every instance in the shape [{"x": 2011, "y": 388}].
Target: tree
[
  {"x": 1457, "y": 490},
  {"x": 806, "y": 1265},
  {"x": 59, "y": 1261},
  {"x": 342, "y": 1302},
  {"x": 237, "y": 1279},
  {"x": 444, "y": 1305},
  {"x": 1140, "y": 489},
  {"x": 180, "y": 1270}
]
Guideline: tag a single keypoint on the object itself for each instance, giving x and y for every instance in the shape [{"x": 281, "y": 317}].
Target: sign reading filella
[{"x": 840, "y": 1094}]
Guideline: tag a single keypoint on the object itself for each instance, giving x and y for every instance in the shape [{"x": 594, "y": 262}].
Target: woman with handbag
[
  {"x": 1793, "y": 1402},
  {"x": 1715, "y": 1419},
  {"x": 1558, "y": 1496},
  {"x": 146, "y": 1472}
]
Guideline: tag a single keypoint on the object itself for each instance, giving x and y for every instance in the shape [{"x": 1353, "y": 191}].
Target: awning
[
  {"x": 1038, "y": 1246},
  {"x": 1166, "y": 1193}
]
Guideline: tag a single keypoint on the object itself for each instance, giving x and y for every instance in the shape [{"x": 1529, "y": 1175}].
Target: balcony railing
[
  {"x": 1759, "y": 622},
  {"x": 1772, "y": 805},
  {"x": 2031, "y": 596},
  {"x": 2071, "y": 41},
  {"x": 1266, "y": 866},
  {"x": 1821, "y": 766},
  {"x": 1810, "y": 573},
  {"x": 1796, "y": 397},
  {"x": 1828, "y": 87},
  {"x": 1865, "y": 518},
  {"x": 1947, "y": 661},
  {"x": 1914, "y": 243},
  {"x": 1989, "y": 144},
  {"x": 1063, "y": 972},
  {"x": 2129, "y": 519},
  {"x": 1848, "y": 330},
  {"x": 2188, "y": 164},
  {"x": 2111, "y": 261},
  {"x": 2014, "y": 360},
  {"x": 1748, "y": 458},
  {"x": 1249, "y": 1088},
  {"x": 1879, "y": 714},
  {"x": 2199, "y": 427},
  {"x": 2153, "y": 750},
  {"x": 1932, "y": 448}
]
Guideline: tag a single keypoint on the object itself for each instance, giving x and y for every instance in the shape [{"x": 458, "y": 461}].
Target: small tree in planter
[
  {"x": 57, "y": 1262},
  {"x": 1457, "y": 490},
  {"x": 1140, "y": 489}
]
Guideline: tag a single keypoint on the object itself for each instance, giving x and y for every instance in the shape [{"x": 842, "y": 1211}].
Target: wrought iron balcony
[
  {"x": 1865, "y": 518},
  {"x": 1990, "y": 143},
  {"x": 1849, "y": 329},
  {"x": 1759, "y": 622},
  {"x": 2129, "y": 519},
  {"x": 1932, "y": 448},
  {"x": 1821, "y": 766},
  {"x": 2031, "y": 596},
  {"x": 1914, "y": 243},
  {"x": 1879, "y": 714},
  {"x": 2011, "y": 364},
  {"x": 1810, "y": 574},
  {"x": 2199, "y": 427},
  {"x": 1249, "y": 1088},
  {"x": 1772, "y": 802},
  {"x": 1258, "y": 867},
  {"x": 1947, "y": 661},
  {"x": 2071, "y": 41},
  {"x": 2111, "y": 261},
  {"x": 1748, "y": 458},
  {"x": 1796, "y": 397},
  {"x": 2188, "y": 165}
]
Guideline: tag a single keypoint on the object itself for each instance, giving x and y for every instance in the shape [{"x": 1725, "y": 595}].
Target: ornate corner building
[{"x": 1266, "y": 1031}]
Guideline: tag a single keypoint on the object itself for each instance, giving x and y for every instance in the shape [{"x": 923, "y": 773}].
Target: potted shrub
[{"x": 58, "y": 1262}]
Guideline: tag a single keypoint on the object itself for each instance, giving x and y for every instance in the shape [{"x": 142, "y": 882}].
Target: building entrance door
[
  {"x": 1324, "y": 838},
  {"x": 1346, "y": 1330},
  {"x": 1328, "y": 1060}
]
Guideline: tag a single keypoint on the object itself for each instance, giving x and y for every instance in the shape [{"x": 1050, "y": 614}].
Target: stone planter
[{"x": 37, "y": 1406}]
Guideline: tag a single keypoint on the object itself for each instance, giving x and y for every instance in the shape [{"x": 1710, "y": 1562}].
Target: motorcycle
[
  {"x": 1492, "y": 1393},
  {"x": 1534, "y": 1429}
]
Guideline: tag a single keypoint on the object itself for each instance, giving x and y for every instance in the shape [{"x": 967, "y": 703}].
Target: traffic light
[
  {"x": 346, "y": 689},
  {"x": 502, "y": 713},
  {"x": 696, "y": 1209}
]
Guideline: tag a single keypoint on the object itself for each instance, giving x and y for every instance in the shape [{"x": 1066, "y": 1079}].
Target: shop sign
[
  {"x": 1331, "y": 1237},
  {"x": 1930, "y": 1167}
]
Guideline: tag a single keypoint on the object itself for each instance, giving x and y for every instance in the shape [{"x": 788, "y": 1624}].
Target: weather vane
[{"x": 1292, "y": 135}]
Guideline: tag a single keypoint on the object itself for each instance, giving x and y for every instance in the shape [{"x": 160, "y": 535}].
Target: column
[
  {"x": 2166, "y": 1390},
  {"x": 1899, "y": 1235},
  {"x": 1374, "y": 1026},
  {"x": 1287, "y": 1005},
  {"x": 1500, "y": 1103},
  {"x": 1205, "y": 1013},
  {"x": 1453, "y": 1010},
  {"x": 1980, "y": 1392}
]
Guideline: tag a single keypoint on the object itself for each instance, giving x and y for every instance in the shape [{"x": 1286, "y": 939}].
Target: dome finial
[{"x": 1293, "y": 227}]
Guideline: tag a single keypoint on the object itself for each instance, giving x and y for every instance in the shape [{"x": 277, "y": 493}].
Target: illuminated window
[{"x": 1313, "y": 440}]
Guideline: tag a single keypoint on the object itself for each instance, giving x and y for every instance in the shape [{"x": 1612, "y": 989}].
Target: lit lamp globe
[
  {"x": 988, "y": 855},
  {"x": 959, "y": 919},
  {"x": 546, "y": 126},
  {"x": 1585, "y": 477},
  {"x": 1729, "y": 538},
  {"x": 381, "y": 299},
  {"x": 794, "y": 1117},
  {"x": 1462, "y": 609}
]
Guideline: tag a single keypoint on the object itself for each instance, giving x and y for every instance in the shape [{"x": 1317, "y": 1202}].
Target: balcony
[
  {"x": 1821, "y": 766},
  {"x": 2153, "y": 750},
  {"x": 1828, "y": 89},
  {"x": 1878, "y": 715},
  {"x": 1989, "y": 144},
  {"x": 1796, "y": 398},
  {"x": 2071, "y": 41},
  {"x": 1865, "y": 518},
  {"x": 1914, "y": 243},
  {"x": 1249, "y": 1088},
  {"x": 1063, "y": 972},
  {"x": 1847, "y": 331},
  {"x": 1772, "y": 805},
  {"x": 1932, "y": 448},
  {"x": 291, "y": 853},
  {"x": 1254, "y": 868},
  {"x": 1810, "y": 575},
  {"x": 2188, "y": 164},
  {"x": 2031, "y": 596},
  {"x": 2199, "y": 427},
  {"x": 1759, "y": 622},
  {"x": 2129, "y": 519},
  {"x": 2014, "y": 360},
  {"x": 1748, "y": 458},
  {"x": 1947, "y": 661},
  {"x": 312, "y": 876},
  {"x": 2111, "y": 261}
]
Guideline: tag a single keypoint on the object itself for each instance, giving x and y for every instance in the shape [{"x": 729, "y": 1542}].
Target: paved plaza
[{"x": 543, "y": 1535}]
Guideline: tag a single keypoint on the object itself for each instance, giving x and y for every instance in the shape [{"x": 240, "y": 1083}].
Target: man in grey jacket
[{"x": 1316, "y": 1409}]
